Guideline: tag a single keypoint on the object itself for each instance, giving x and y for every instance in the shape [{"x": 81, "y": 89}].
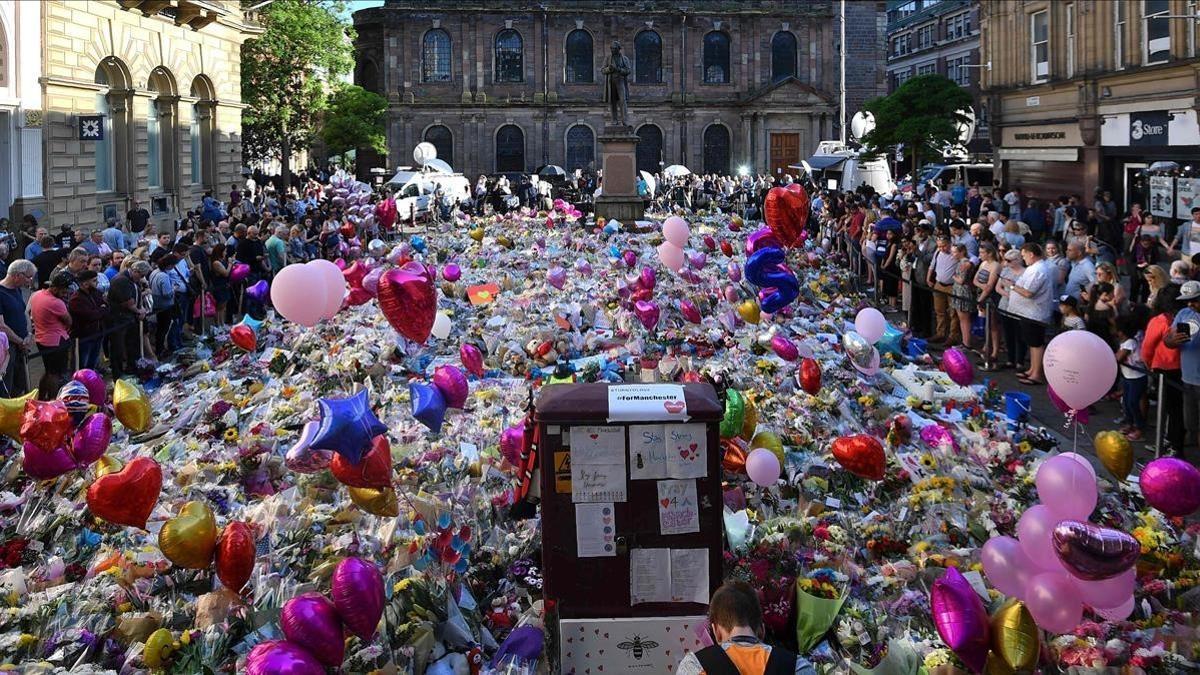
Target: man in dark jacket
[{"x": 88, "y": 310}]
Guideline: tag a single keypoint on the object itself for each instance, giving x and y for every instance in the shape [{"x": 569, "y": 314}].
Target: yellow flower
[
  {"x": 1024, "y": 447},
  {"x": 26, "y": 640},
  {"x": 921, "y": 546},
  {"x": 231, "y": 435},
  {"x": 928, "y": 461}
]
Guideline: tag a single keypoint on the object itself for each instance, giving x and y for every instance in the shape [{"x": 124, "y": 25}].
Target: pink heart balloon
[
  {"x": 302, "y": 458},
  {"x": 238, "y": 273},
  {"x": 556, "y": 277},
  {"x": 451, "y": 381},
  {"x": 46, "y": 464},
  {"x": 689, "y": 311},
  {"x": 785, "y": 348},
  {"x": 357, "y": 592},
  {"x": 648, "y": 278},
  {"x": 91, "y": 439},
  {"x": 512, "y": 444},
  {"x": 731, "y": 294},
  {"x": 630, "y": 258},
  {"x": 697, "y": 259},
  {"x": 409, "y": 303},
  {"x": 472, "y": 359},
  {"x": 584, "y": 268},
  {"x": 280, "y": 656},
  {"x": 647, "y": 312}
]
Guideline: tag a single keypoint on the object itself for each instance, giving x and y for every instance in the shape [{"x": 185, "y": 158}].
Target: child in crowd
[
  {"x": 1068, "y": 306},
  {"x": 1133, "y": 376}
]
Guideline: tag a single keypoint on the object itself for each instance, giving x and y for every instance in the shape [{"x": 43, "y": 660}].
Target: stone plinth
[{"x": 619, "y": 198}]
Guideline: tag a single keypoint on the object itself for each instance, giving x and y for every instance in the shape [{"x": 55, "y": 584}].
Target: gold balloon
[
  {"x": 190, "y": 538},
  {"x": 504, "y": 241},
  {"x": 1115, "y": 453},
  {"x": 158, "y": 650},
  {"x": 995, "y": 666},
  {"x": 381, "y": 502},
  {"x": 750, "y": 312},
  {"x": 1015, "y": 636},
  {"x": 770, "y": 441},
  {"x": 108, "y": 464},
  {"x": 476, "y": 233},
  {"x": 749, "y": 417},
  {"x": 11, "y": 411},
  {"x": 132, "y": 406}
]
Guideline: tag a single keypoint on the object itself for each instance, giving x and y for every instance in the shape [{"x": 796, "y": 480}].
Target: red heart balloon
[
  {"x": 374, "y": 471},
  {"x": 243, "y": 336},
  {"x": 354, "y": 274},
  {"x": 810, "y": 376},
  {"x": 861, "y": 455},
  {"x": 235, "y": 555},
  {"x": 127, "y": 496},
  {"x": 409, "y": 303},
  {"x": 786, "y": 212},
  {"x": 347, "y": 230},
  {"x": 45, "y": 423},
  {"x": 726, "y": 248}
]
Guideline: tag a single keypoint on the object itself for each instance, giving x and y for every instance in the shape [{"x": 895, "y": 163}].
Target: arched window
[
  {"x": 716, "y": 149},
  {"x": 783, "y": 56},
  {"x": 716, "y": 58},
  {"x": 649, "y": 148},
  {"x": 510, "y": 59},
  {"x": 368, "y": 76},
  {"x": 443, "y": 140},
  {"x": 104, "y": 146},
  {"x": 435, "y": 57},
  {"x": 510, "y": 149},
  {"x": 647, "y": 58},
  {"x": 581, "y": 148},
  {"x": 579, "y": 56},
  {"x": 160, "y": 130},
  {"x": 202, "y": 131}
]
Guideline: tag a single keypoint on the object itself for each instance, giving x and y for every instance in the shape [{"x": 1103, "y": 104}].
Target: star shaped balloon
[{"x": 347, "y": 426}]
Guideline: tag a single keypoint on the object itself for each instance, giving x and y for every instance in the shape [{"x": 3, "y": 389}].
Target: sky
[{"x": 353, "y": 6}]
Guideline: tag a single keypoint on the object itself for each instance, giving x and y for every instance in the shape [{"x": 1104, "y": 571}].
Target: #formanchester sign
[{"x": 645, "y": 402}]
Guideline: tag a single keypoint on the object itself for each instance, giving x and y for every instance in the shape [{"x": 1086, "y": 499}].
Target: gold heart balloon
[
  {"x": 476, "y": 233},
  {"x": 770, "y": 441},
  {"x": 1115, "y": 453},
  {"x": 190, "y": 538},
  {"x": 381, "y": 502},
  {"x": 107, "y": 464},
  {"x": 131, "y": 405},
  {"x": 1015, "y": 636},
  {"x": 750, "y": 312},
  {"x": 11, "y": 412}
]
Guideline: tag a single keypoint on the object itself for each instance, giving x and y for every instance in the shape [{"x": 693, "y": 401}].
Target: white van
[
  {"x": 836, "y": 167},
  {"x": 948, "y": 175},
  {"x": 415, "y": 189}
]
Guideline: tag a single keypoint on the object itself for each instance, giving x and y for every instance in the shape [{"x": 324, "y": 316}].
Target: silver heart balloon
[
  {"x": 857, "y": 348},
  {"x": 1093, "y": 552}
]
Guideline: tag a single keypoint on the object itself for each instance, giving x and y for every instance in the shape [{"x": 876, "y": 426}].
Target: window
[
  {"x": 958, "y": 72},
  {"x": 510, "y": 149},
  {"x": 104, "y": 147},
  {"x": 903, "y": 76},
  {"x": 716, "y": 149},
  {"x": 435, "y": 57},
  {"x": 510, "y": 60},
  {"x": 443, "y": 140},
  {"x": 647, "y": 58},
  {"x": 902, "y": 45},
  {"x": 194, "y": 136},
  {"x": 958, "y": 26},
  {"x": 1039, "y": 42},
  {"x": 927, "y": 68},
  {"x": 716, "y": 58},
  {"x": 1071, "y": 40},
  {"x": 579, "y": 56},
  {"x": 649, "y": 148},
  {"x": 783, "y": 56},
  {"x": 1192, "y": 7},
  {"x": 153, "y": 145},
  {"x": 1156, "y": 43},
  {"x": 1119, "y": 35},
  {"x": 581, "y": 148},
  {"x": 925, "y": 37}
]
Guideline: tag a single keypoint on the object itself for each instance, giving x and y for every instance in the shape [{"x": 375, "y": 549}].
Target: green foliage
[
  {"x": 286, "y": 73},
  {"x": 355, "y": 119},
  {"x": 921, "y": 114}
]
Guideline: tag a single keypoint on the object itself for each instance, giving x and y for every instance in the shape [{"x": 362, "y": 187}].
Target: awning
[{"x": 819, "y": 162}]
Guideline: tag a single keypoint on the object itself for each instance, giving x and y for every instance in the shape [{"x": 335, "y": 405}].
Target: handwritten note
[
  {"x": 598, "y": 464},
  {"x": 647, "y": 451},
  {"x": 595, "y": 530},
  {"x": 687, "y": 451},
  {"x": 668, "y": 575},
  {"x": 678, "y": 510},
  {"x": 689, "y": 575}
]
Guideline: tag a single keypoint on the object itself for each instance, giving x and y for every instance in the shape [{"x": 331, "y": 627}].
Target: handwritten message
[{"x": 678, "y": 511}]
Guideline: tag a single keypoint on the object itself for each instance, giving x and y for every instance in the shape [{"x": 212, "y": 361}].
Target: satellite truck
[
  {"x": 414, "y": 188},
  {"x": 835, "y": 166}
]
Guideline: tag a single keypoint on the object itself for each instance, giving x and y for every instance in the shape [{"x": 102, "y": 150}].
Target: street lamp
[{"x": 743, "y": 170}]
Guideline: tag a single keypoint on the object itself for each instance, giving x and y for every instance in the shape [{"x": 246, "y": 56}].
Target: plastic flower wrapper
[
  {"x": 901, "y": 658},
  {"x": 815, "y": 614}
]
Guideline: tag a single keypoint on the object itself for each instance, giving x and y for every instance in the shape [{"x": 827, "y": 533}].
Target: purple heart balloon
[
  {"x": 91, "y": 439},
  {"x": 583, "y": 267},
  {"x": 451, "y": 272},
  {"x": 370, "y": 282},
  {"x": 472, "y": 358},
  {"x": 762, "y": 238},
  {"x": 630, "y": 258},
  {"x": 731, "y": 294},
  {"x": 46, "y": 464},
  {"x": 960, "y": 618},
  {"x": 647, "y": 312},
  {"x": 452, "y": 382},
  {"x": 280, "y": 657},
  {"x": 312, "y": 620},
  {"x": 735, "y": 271},
  {"x": 697, "y": 259},
  {"x": 1171, "y": 485},
  {"x": 259, "y": 290},
  {"x": 357, "y": 593},
  {"x": 958, "y": 366},
  {"x": 512, "y": 444},
  {"x": 648, "y": 278},
  {"x": 556, "y": 277},
  {"x": 302, "y": 458},
  {"x": 94, "y": 382},
  {"x": 1092, "y": 552}
]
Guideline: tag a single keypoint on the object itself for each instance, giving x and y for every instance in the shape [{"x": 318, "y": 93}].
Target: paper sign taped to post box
[
  {"x": 641, "y": 645},
  {"x": 647, "y": 403}
]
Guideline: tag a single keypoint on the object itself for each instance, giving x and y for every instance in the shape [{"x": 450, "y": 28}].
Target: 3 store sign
[{"x": 1148, "y": 128}]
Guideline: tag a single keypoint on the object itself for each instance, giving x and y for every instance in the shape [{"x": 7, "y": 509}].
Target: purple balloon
[
  {"x": 472, "y": 358},
  {"x": 556, "y": 277},
  {"x": 512, "y": 444},
  {"x": 280, "y": 657},
  {"x": 583, "y": 267},
  {"x": 1092, "y": 552},
  {"x": 451, "y": 272},
  {"x": 762, "y": 238},
  {"x": 91, "y": 439},
  {"x": 302, "y": 457},
  {"x": 1006, "y": 565},
  {"x": 259, "y": 290},
  {"x": 648, "y": 278},
  {"x": 452, "y": 382},
  {"x": 647, "y": 312},
  {"x": 735, "y": 271},
  {"x": 357, "y": 593},
  {"x": 46, "y": 464},
  {"x": 370, "y": 282},
  {"x": 1066, "y": 488},
  {"x": 630, "y": 258},
  {"x": 937, "y": 436},
  {"x": 697, "y": 259},
  {"x": 958, "y": 366},
  {"x": 94, "y": 382},
  {"x": 1172, "y": 486},
  {"x": 784, "y": 348},
  {"x": 960, "y": 618},
  {"x": 238, "y": 273},
  {"x": 312, "y": 620}
]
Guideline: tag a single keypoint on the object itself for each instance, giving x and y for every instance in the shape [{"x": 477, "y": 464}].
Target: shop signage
[
  {"x": 1162, "y": 196},
  {"x": 1042, "y": 136},
  {"x": 1187, "y": 195},
  {"x": 1148, "y": 128},
  {"x": 91, "y": 127}
]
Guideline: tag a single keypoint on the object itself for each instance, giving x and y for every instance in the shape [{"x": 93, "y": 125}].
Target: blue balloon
[
  {"x": 890, "y": 342},
  {"x": 428, "y": 405},
  {"x": 252, "y": 322},
  {"x": 347, "y": 426},
  {"x": 419, "y": 526},
  {"x": 767, "y": 269},
  {"x": 610, "y": 229},
  {"x": 418, "y": 243}
]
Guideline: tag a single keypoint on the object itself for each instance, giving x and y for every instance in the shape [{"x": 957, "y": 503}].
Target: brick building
[
  {"x": 942, "y": 37},
  {"x": 159, "y": 81},
  {"x": 717, "y": 85}
]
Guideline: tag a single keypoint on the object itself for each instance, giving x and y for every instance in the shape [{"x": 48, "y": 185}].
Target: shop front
[
  {"x": 1044, "y": 160},
  {"x": 1142, "y": 152}
]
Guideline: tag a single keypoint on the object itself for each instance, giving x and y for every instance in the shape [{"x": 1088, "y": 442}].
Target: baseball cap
[{"x": 1189, "y": 291}]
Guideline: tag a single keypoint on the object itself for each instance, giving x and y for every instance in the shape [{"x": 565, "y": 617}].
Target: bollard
[
  {"x": 141, "y": 338},
  {"x": 76, "y": 353},
  {"x": 1158, "y": 414}
]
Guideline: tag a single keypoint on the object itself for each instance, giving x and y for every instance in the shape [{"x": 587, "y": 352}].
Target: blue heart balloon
[
  {"x": 890, "y": 342},
  {"x": 347, "y": 426},
  {"x": 428, "y": 405}
]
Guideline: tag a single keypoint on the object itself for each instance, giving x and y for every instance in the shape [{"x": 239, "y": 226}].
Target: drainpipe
[
  {"x": 545, "y": 89},
  {"x": 683, "y": 73}
]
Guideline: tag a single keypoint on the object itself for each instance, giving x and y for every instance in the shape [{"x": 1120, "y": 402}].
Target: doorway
[{"x": 785, "y": 151}]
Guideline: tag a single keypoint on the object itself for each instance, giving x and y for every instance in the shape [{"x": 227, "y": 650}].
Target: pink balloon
[
  {"x": 357, "y": 592},
  {"x": 676, "y": 231},
  {"x": 870, "y": 324},
  {"x": 648, "y": 279},
  {"x": 91, "y": 439},
  {"x": 672, "y": 256},
  {"x": 333, "y": 286},
  {"x": 958, "y": 366},
  {"x": 647, "y": 312},
  {"x": 1067, "y": 489},
  {"x": 370, "y": 282},
  {"x": 238, "y": 273},
  {"x": 43, "y": 464},
  {"x": 451, "y": 272},
  {"x": 472, "y": 358},
  {"x": 312, "y": 620},
  {"x": 960, "y": 618},
  {"x": 1080, "y": 366},
  {"x": 1006, "y": 565},
  {"x": 512, "y": 444},
  {"x": 1171, "y": 485},
  {"x": 1082, "y": 461},
  {"x": 735, "y": 271},
  {"x": 1053, "y": 602},
  {"x": 556, "y": 277},
  {"x": 1035, "y": 530},
  {"x": 1118, "y": 613},
  {"x": 94, "y": 382},
  {"x": 784, "y": 348},
  {"x": 697, "y": 259},
  {"x": 1107, "y": 592},
  {"x": 298, "y": 294},
  {"x": 1081, "y": 416},
  {"x": 731, "y": 294},
  {"x": 689, "y": 311},
  {"x": 452, "y": 382},
  {"x": 763, "y": 467},
  {"x": 280, "y": 657}
]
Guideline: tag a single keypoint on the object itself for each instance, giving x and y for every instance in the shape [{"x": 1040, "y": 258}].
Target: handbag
[{"x": 209, "y": 310}]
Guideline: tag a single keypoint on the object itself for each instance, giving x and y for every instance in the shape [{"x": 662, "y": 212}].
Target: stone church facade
[{"x": 505, "y": 86}]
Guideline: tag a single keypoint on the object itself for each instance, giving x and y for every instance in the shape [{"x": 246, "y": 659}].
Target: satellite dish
[
  {"x": 966, "y": 130},
  {"x": 423, "y": 153},
  {"x": 861, "y": 124}
]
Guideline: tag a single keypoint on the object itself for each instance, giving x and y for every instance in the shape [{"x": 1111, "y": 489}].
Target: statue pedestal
[{"x": 619, "y": 198}]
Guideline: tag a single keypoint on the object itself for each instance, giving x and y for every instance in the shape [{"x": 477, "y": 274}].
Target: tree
[
  {"x": 355, "y": 119},
  {"x": 286, "y": 73},
  {"x": 923, "y": 114}
]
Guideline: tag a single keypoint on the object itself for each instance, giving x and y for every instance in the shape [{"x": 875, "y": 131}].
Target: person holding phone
[{"x": 1183, "y": 337}]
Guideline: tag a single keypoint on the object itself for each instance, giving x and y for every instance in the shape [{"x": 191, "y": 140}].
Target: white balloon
[{"x": 441, "y": 326}]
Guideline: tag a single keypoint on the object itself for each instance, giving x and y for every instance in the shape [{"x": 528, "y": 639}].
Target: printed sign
[
  {"x": 91, "y": 127},
  {"x": 1162, "y": 197},
  {"x": 668, "y": 575},
  {"x": 647, "y": 403},
  {"x": 1187, "y": 196},
  {"x": 562, "y": 473},
  {"x": 642, "y": 645},
  {"x": 1149, "y": 127}
]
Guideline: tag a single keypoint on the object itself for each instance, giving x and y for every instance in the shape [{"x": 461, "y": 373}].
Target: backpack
[{"x": 715, "y": 661}]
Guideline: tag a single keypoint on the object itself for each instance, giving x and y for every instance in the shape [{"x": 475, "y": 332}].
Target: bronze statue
[{"x": 616, "y": 84}]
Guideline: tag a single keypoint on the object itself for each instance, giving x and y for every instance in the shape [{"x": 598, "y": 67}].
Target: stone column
[{"x": 618, "y": 198}]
